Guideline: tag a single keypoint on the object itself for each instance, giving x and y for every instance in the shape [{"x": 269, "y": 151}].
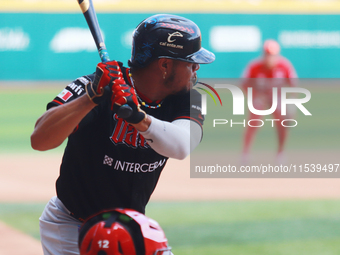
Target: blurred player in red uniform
[{"x": 263, "y": 74}]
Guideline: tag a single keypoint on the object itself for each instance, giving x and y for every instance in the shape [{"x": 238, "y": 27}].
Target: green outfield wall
[{"x": 58, "y": 46}]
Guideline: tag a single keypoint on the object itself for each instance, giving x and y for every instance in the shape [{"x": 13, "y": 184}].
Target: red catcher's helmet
[
  {"x": 271, "y": 47},
  {"x": 121, "y": 232}
]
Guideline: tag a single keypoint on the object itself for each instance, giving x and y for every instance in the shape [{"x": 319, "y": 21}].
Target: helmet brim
[{"x": 202, "y": 56}]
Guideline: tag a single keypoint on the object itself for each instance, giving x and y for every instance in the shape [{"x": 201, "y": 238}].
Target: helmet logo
[{"x": 174, "y": 34}]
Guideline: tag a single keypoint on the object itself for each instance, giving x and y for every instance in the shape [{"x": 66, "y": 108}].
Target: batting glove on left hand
[
  {"x": 124, "y": 94},
  {"x": 100, "y": 89}
]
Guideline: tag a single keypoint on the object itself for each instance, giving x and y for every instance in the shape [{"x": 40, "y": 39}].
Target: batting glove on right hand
[
  {"x": 100, "y": 89},
  {"x": 124, "y": 94}
]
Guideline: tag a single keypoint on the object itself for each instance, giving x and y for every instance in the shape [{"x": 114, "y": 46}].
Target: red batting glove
[
  {"x": 100, "y": 88},
  {"x": 123, "y": 94}
]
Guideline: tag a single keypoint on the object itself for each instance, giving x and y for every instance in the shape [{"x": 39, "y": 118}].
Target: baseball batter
[
  {"x": 109, "y": 161},
  {"x": 263, "y": 74}
]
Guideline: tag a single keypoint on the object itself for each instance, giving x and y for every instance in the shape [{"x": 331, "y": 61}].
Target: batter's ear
[{"x": 165, "y": 65}]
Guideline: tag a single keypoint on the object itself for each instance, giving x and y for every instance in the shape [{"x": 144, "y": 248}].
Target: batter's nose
[{"x": 195, "y": 67}]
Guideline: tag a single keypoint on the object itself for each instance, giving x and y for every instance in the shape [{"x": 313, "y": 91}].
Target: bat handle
[
  {"x": 124, "y": 111},
  {"x": 103, "y": 54}
]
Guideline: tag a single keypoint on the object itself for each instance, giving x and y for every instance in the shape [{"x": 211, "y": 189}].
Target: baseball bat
[{"x": 89, "y": 13}]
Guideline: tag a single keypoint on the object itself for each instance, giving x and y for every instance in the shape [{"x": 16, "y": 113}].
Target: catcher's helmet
[
  {"x": 168, "y": 36},
  {"x": 121, "y": 232}
]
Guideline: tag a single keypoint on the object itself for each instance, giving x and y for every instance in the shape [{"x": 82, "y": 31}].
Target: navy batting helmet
[
  {"x": 122, "y": 232},
  {"x": 168, "y": 36}
]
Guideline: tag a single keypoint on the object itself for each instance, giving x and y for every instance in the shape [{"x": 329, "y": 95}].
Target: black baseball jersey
[{"x": 107, "y": 163}]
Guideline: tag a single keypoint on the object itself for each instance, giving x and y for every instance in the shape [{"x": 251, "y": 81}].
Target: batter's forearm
[
  {"x": 56, "y": 124},
  {"x": 143, "y": 125},
  {"x": 173, "y": 140}
]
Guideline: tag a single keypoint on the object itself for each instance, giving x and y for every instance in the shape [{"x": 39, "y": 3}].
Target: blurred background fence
[{"x": 49, "y": 40}]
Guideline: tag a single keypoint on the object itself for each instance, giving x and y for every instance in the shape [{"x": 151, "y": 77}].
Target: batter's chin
[{"x": 182, "y": 92}]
